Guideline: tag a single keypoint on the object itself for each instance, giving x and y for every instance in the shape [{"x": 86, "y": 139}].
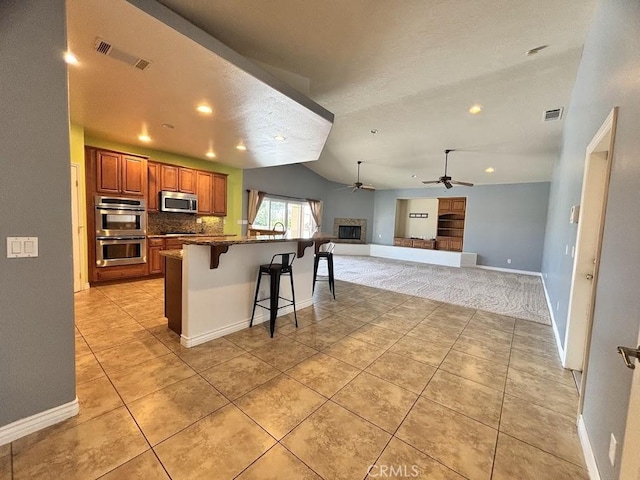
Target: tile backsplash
[{"x": 169, "y": 222}]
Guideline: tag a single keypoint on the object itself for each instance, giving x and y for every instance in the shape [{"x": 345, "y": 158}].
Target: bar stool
[
  {"x": 326, "y": 252},
  {"x": 275, "y": 270}
]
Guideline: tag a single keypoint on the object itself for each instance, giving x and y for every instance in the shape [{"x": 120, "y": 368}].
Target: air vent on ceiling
[
  {"x": 105, "y": 48},
  {"x": 550, "y": 115}
]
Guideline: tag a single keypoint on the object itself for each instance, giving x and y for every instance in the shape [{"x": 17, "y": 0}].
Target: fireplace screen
[{"x": 349, "y": 232}]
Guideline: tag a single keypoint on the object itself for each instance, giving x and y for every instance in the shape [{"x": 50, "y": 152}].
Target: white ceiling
[
  {"x": 114, "y": 100},
  {"x": 408, "y": 68}
]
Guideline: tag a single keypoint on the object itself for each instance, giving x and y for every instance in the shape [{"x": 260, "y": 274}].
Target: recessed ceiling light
[
  {"x": 240, "y": 146},
  {"x": 210, "y": 154},
  {"x": 279, "y": 138},
  {"x": 533, "y": 51},
  {"x": 70, "y": 58},
  {"x": 144, "y": 138},
  {"x": 204, "y": 109},
  {"x": 490, "y": 170},
  {"x": 374, "y": 131},
  {"x": 475, "y": 109},
  {"x": 168, "y": 125}
]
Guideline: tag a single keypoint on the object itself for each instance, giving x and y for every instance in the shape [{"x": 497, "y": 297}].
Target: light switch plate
[{"x": 22, "y": 247}]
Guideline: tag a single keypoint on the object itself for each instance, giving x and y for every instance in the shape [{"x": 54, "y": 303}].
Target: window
[{"x": 295, "y": 215}]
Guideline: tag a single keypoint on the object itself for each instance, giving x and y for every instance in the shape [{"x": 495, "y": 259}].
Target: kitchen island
[{"x": 218, "y": 278}]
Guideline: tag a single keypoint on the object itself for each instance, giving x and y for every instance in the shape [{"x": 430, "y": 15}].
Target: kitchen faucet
[{"x": 283, "y": 231}]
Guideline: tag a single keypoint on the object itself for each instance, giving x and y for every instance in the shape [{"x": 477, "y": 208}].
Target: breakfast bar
[{"x": 211, "y": 283}]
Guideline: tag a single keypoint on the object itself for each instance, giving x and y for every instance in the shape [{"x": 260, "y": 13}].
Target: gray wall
[
  {"x": 345, "y": 203},
  {"x": 608, "y": 76},
  {"x": 37, "y": 370},
  {"x": 502, "y": 221},
  {"x": 293, "y": 180}
]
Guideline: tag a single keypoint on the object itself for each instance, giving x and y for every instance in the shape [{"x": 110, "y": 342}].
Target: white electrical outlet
[
  {"x": 613, "y": 446},
  {"x": 198, "y": 219},
  {"x": 566, "y": 249},
  {"x": 558, "y": 305},
  {"x": 379, "y": 235},
  {"x": 508, "y": 260}
]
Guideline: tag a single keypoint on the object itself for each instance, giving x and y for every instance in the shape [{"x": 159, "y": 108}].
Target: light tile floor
[{"x": 375, "y": 384}]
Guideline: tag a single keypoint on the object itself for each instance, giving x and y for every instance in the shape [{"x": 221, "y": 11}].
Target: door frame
[
  {"x": 77, "y": 229},
  {"x": 593, "y": 205}
]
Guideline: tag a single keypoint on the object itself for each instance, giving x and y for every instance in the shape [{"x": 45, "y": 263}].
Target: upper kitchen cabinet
[
  {"x": 219, "y": 206},
  {"x": 186, "y": 180},
  {"x": 117, "y": 173},
  {"x": 169, "y": 178},
  {"x": 177, "y": 179},
  {"x": 205, "y": 192},
  {"x": 212, "y": 193},
  {"x": 153, "y": 202}
]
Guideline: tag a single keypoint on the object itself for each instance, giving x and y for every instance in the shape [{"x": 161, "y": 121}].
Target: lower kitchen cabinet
[
  {"x": 120, "y": 273},
  {"x": 156, "y": 264}
]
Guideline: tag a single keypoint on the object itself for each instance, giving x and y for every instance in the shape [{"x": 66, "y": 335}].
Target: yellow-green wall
[
  {"x": 234, "y": 179},
  {"x": 76, "y": 138}
]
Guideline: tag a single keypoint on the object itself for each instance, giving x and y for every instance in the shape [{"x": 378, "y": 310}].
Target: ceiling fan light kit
[{"x": 446, "y": 180}]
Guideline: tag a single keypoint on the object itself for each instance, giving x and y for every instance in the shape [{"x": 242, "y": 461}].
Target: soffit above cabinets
[{"x": 117, "y": 97}]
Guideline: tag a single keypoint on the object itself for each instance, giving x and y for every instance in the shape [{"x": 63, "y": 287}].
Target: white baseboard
[
  {"x": 260, "y": 317},
  {"x": 25, "y": 426},
  {"x": 510, "y": 270},
  {"x": 556, "y": 333},
  {"x": 589, "y": 457}
]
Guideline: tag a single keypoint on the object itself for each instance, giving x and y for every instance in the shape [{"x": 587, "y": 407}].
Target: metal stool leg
[
  {"x": 275, "y": 297},
  {"x": 332, "y": 281},
  {"x": 293, "y": 299},
  {"x": 255, "y": 299},
  {"x": 316, "y": 261}
]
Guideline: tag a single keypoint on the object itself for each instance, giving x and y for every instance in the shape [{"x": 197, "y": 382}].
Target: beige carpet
[{"x": 513, "y": 294}]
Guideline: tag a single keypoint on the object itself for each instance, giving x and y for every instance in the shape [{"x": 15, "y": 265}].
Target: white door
[
  {"x": 75, "y": 227},
  {"x": 630, "y": 466}
]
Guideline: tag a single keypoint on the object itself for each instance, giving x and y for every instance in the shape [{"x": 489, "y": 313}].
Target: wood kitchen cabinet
[
  {"x": 186, "y": 180},
  {"x": 205, "y": 192},
  {"x": 169, "y": 178},
  {"x": 156, "y": 265},
  {"x": 153, "y": 202},
  {"x": 219, "y": 194},
  {"x": 117, "y": 173}
]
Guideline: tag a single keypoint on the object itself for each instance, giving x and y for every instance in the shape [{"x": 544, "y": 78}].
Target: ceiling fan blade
[
  {"x": 371, "y": 188},
  {"x": 466, "y": 184},
  {"x": 431, "y": 182},
  {"x": 346, "y": 187}
]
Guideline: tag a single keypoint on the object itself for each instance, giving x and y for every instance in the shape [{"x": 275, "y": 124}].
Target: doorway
[
  {"x": 593, "y": 203},
  {"x": 76, "y": 229}
]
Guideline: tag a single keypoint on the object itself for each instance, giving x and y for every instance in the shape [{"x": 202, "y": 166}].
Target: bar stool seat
[
  {"x": 275, "y": 270},
  {"x": 326, "y": 252}
]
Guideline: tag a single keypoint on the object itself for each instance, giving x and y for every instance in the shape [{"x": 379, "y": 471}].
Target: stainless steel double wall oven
[{"x": 121, "y": 229}]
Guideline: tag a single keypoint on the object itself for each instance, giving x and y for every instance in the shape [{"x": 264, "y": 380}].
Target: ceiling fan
[
  {"x": 446, "y": 180},
  {"x": 358, "y": 185}
]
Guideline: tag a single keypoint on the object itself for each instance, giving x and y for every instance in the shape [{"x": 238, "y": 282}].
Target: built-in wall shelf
[{"x": 451, "y": 217}]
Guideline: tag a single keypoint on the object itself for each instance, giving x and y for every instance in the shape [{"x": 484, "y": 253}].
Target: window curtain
[
  {"x": 253, "y": 205},
  {"x": 316, "y": 213}
]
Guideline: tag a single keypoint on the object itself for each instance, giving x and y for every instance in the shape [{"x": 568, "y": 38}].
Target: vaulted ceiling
[{"x": 410, "y": 70}]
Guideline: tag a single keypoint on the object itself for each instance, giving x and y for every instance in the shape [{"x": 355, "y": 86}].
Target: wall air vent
[
  {"x": 105, "y": 48},
  {"x": 550, "y": 115}
]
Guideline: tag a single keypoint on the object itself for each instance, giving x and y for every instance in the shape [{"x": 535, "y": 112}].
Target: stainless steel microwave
[{"x": 178, "y": 202}]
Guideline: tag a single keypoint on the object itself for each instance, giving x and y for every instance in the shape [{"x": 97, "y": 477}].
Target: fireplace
[{"x": 349, "y": 232}]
